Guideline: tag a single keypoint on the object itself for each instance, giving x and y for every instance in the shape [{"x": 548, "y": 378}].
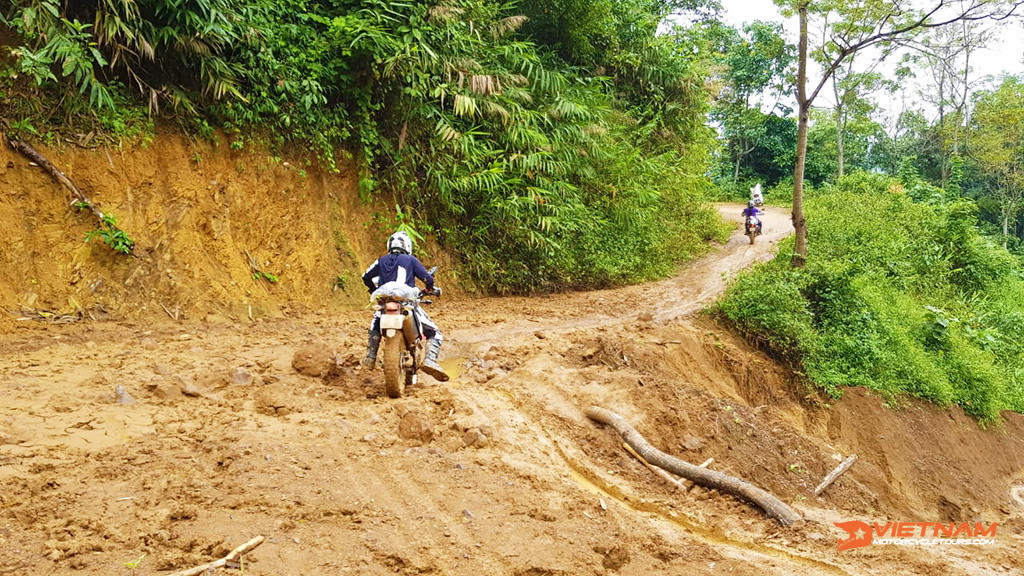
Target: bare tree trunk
[
  {"x": 839, "y": 150},
  {"x": 804, "y": 105},
  {"x": 1006, "y": 225}
]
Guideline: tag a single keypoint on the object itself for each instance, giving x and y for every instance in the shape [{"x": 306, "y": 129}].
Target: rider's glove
[{"x": 435, "y": 291}]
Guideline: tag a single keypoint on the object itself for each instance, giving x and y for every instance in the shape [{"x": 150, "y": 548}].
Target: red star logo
[{"x": 859, "y": 534}]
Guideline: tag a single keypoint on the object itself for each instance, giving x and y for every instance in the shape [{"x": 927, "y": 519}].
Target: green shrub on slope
[{"x": 898, "y": 296}]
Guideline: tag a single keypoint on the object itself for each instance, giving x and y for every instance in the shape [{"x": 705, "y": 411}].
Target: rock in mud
[
  {"x": 121, "y": 396},
  {"x": 613, "y": 558},
  {"x": 242, "y": 377},
  {"x": 416, "y": 426},
  {"x": 276, "y": 400},
  {"x": 166, "y": 389},
  {"x": 691, "y": 442},
  {"x": 8, "y": 438},
  {"x": 476, "y": 432},
  {"x": 314, "y": 360},
  {"x": 474, "y": 438}
]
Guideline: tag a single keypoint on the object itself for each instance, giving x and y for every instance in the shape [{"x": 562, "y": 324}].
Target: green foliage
[
  {"x": 522, "y": 162},
  {"x": 902, "y": 297},
  {"x": 108, "y": 232},
  {"x": 768, "y": 306},
  {"x": 269, "y": 277},
  {"x": 753, "y": 65},
  {"x": 543, "y": 174},
  {"x": 168, "y": 50}
]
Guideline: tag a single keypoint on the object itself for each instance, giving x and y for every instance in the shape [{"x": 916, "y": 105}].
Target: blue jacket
[
  {"x": 751, "y": 211},
  {"x": 397, "y": 267}
]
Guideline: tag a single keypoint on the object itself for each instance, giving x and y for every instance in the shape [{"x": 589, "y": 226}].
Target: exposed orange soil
[{"x": 230, "y": 428}]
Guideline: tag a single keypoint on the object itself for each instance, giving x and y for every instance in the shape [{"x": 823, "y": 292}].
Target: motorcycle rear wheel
[{"x": 394, "y": 380}]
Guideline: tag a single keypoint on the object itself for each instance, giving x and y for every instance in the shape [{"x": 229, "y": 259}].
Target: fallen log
[
  {"x": 689, "y": 483},
  {"x": 702, "y": 476},
  {"x": 680, "y": 484},
  {"x": 231, "y": 557},
  {"x": 836, "y": 473}
]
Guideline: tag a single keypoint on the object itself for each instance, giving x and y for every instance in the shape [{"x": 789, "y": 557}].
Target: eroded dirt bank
[
  {"x": 201, "y": 230},
  {"x": 227, "y": 430}
]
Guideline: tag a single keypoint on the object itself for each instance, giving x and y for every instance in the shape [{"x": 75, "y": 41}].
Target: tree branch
[
  {"x": 32, "y": 154},
  {"x": 702, "y": 476}
]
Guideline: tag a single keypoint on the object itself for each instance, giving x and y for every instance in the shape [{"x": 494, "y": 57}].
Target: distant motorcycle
[
  {"x": 756, "y": 196},
  {"x": 752, "y": 228},
  {"x": 403, "y": 342}
]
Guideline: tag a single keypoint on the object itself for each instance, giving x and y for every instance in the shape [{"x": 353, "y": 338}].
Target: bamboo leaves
[{"x": 164, "y": 49}]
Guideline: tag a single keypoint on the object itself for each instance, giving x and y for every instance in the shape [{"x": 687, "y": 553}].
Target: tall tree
[
  {"x": 997, "y": 145},
  {"x": 853, "y": 26},
  {"x": 851, "y": 91},
  {"x": 945, "y": 57},
  {"x": 755, "y": 63}
]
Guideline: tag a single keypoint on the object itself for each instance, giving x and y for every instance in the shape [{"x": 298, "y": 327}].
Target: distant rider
[
  {"x": 751, "y": 211},
  {"x": 756, "y": 196},
  {"x": 399, "y": 265}
]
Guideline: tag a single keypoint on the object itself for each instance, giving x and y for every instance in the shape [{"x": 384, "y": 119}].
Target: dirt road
[{"x": 144, "y": 449}]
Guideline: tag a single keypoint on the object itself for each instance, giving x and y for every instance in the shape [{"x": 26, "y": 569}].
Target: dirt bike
[
  {"x": 403, "y": 343},
  {"x": 751, "y": 228}
]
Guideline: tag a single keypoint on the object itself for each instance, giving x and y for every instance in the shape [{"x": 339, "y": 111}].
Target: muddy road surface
[{"x": 130, "y": 448}]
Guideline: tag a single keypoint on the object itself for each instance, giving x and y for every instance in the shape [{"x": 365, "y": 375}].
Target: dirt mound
[{"x": 149, "y": 447}]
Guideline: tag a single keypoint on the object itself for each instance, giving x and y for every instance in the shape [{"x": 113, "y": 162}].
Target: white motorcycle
[{"x": 403, "y": 342}]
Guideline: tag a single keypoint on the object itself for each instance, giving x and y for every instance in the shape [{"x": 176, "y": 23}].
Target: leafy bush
[{"x": 768, "y": 305}]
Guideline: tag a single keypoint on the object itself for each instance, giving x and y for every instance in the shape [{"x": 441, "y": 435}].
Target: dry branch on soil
[
  {"x": 835, "y": 474},
  {"x": 702, "y": 476},
  {"x": 34, "y": 155},
  {"x": 681, "y": 484},
  {"x": 232, "y": 556},
  {"x": 659, "y": 471}
]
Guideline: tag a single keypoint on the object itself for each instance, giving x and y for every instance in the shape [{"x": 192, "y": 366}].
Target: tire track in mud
[
  {"x": 697, "y": 286},
  {"x": 547, "y": 445}
]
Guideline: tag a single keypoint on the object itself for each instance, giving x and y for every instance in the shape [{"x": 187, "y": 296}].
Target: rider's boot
[
  {"x": 430, "y": 365},
  {"x": 372, "y": 344}
]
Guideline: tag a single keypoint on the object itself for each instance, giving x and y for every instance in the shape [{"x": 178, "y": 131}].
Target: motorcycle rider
[
  {"x": 399, "y": 265},
  {"x": 756, "y": 196},
  {"x": 751, "y": 211}
]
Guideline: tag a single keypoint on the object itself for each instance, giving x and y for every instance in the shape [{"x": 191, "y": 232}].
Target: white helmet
[{"x": 400, "y": 241}]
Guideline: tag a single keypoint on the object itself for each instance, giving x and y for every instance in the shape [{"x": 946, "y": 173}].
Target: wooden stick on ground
[
  {"x": 681, "y": 484},
  {"x": 659, "y": 471},
  {"x": 836, "y": 473},
  {"x": 707, "y": 478},
  {"x": 232, "y": 556}
]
